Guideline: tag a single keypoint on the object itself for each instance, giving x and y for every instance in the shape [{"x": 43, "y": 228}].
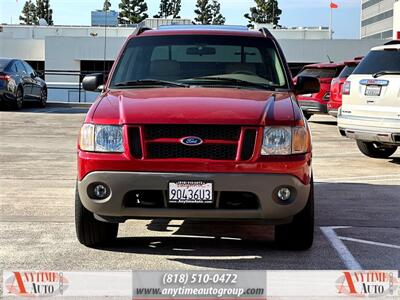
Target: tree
[
  {"x": 266, "y": 12},
  {"x": 217, "y": 17},
  {"x": 132, "y": 11},
  {"x": 44, "y": 11},
  {"x": 169, "y": 8},
  {"x": 106, "y": 5},
  {"x": 203, "y": 12},
  {"x": 28, "y": 15}
]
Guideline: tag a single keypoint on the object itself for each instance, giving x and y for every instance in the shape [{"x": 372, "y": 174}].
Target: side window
[
  {"x": 13, "y": 68},
  {"x": 28, "y": 68},
  {"x": 20, "y": 68}
]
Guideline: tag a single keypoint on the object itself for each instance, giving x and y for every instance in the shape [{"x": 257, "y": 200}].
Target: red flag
[{"x": 334, "y": 5}]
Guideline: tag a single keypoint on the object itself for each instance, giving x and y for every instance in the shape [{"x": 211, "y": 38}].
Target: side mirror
[
  {"x": 307, "y": 85},
  {"x": 92, "y": 82}
]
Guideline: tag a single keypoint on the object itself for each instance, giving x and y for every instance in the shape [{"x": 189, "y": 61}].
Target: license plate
[
  {"x": 373, "y": 90},
  {"x": 190, "y": 192}
]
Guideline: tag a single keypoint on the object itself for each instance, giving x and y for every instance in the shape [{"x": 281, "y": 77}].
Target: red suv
[
  {"x": 335, "y": 101},
  {"x": 316, "y": 103},
  {"x": 196, "y": 122}
]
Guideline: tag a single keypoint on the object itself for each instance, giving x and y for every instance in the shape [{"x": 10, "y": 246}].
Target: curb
[{"x": 69, "y": 104}]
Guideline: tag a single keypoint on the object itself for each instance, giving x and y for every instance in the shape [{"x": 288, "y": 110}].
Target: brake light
[
  {"x": 346, "y": 88},
  {"x": 5, "y": 77}
]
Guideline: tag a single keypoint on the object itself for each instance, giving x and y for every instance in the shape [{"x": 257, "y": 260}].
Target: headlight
[
  {"x": 101, "y": 138},
  {"x": 286, "y": 140},
  {"x": 277, "y": 141}
]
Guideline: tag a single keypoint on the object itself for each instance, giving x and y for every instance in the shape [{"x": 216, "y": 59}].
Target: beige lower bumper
[{"x": 262, "y": 185}]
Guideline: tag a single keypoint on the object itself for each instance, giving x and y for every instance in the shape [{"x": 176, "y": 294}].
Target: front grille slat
[{"x": 205, "y": 151}]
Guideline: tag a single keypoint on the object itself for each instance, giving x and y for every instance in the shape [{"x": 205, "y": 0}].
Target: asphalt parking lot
[{"x": 357, "y": 210}]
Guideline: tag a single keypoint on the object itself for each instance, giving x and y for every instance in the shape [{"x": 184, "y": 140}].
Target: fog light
[
  {"x": 284, "y": 194},
  {"x": 100, "y": 191}
]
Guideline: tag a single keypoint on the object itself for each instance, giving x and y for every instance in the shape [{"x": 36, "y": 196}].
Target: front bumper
[
  {"x": 313, "y": 107},
  {"x": 264, "y": 186}
]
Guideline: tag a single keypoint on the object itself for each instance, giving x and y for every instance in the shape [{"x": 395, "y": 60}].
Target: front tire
[
  {"x": 19, "y": 99},
  {"x": 299, "y": 234},
  {"x": 376, "y": 150},
  {"x": 43, "y": 98},
  {"x": 91, "y": 232}
]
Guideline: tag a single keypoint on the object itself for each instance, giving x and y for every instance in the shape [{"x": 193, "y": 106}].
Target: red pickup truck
[{"x": 196, "y": 122}]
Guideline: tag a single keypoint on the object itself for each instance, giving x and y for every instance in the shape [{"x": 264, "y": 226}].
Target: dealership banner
[{"x": 204, "y": 284}]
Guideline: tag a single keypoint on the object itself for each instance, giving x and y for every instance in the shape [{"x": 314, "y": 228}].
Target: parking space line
[
  {"x": 344, "y": 253},
  {"x": 368, "y": 242}
]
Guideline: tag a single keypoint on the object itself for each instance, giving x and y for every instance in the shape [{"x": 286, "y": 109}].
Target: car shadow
[
  {"x": 325, "y": 122},
  {"x": 34, "y": 107},
  {"x": 395, "y": 160},
  {"x": 248, "y": 245}
]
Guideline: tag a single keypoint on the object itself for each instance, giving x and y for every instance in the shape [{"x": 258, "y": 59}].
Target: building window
[
  {"x": 382, "y": 35},
  {"x": 37, "y": 65},
  {"x": 383, "y": 16},
  {"x": 96, "y": 66}
]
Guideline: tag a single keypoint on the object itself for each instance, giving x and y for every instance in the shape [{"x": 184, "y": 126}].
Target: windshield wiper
[
  {"x": 382, "y": 73},
  {"x": 149, "y": 82},
  {"x": 236, "y": 81}
]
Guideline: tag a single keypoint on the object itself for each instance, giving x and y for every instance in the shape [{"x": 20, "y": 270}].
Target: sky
[{"x": 346, "y": 19}]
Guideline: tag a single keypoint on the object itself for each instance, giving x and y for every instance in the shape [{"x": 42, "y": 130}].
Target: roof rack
[
  {"x": 394, "y": 42},
  {"x": 266, "y": 33},
  {"x": 140, "y": 29},
  {"x": 203, "y": 27}
]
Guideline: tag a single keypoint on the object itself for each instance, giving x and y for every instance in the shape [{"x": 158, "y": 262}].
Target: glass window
[
  {"x": 28, "y": 68},
  {"x": 20, "y": 68},
  {"x": 347, "y": 71},
  {"x": 3, "y": 64},
  {"x": 376, "y": 61},
  {"x": 319, "y": 72},
  {"x": 185, "y": 58}
]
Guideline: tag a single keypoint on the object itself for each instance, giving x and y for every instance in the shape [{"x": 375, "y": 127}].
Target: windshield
[
  {"x": 200, "y": 60},
  {"x": 319, "y": 72},
  {"x": 377, "y": 61}
]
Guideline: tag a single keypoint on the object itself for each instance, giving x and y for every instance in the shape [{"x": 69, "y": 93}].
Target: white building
[
  {"x": 377, "y": 19},
  {"x": 66, "y": 51},
  {"x": 396, "y": 20}
]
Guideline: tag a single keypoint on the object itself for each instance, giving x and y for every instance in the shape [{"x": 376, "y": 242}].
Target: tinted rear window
[
  {"x": 377, "y": 61},
  {"x": 319, "y": 73},
  {"x": 347, "y": 71},
  {"x": 3, "y": 63}
]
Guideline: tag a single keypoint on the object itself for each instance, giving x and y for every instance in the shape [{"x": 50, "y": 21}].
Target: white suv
[{"x": 370, "y": 113}]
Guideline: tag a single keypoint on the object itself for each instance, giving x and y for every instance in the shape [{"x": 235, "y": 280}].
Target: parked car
[
  {"x": 19, "y": 83},
  {"x": 370, "y": 113},
  {"x": 335, "y": 101},
  {"x": 197, "y": 122},
  {"x": 316, "y": 103}
]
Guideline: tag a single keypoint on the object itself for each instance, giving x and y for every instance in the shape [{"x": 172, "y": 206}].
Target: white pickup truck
[{"x": 370, "y": 113}]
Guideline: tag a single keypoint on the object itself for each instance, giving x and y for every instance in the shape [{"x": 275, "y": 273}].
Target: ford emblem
[{"x": 191, "y": 141}]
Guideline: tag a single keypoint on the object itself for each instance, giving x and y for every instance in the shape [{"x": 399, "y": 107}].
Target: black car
[{"x": 19, "y": 82}]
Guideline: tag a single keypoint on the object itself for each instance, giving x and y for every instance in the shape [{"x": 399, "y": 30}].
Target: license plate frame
[
  {"x": 373, "y": 90},
  {"x": 190, "y": 192}
]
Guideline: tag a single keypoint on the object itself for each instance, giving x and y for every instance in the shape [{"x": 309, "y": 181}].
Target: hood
[{"x": 193, "y": 106}]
